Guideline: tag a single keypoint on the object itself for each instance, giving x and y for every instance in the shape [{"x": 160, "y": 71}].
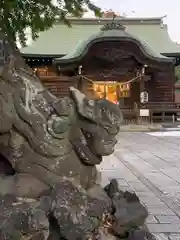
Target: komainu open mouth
[{"x": 6, "y": 168}]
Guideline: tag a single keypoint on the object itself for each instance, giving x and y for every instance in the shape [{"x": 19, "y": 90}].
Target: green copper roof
[
  {"x": 61, "y": 39},
  {"x": 111, "y": 31}
]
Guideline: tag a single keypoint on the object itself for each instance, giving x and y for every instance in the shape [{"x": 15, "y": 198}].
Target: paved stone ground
[{"x": 150, "y": 166}]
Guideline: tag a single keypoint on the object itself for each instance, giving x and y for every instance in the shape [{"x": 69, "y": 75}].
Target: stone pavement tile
[
  {"x": 122, "y": 182},
  {"x": 110, "y": 174},
  {"x": 161, "y": 236},
  {"x": 158, "y": 178},
  {"x": 145, "y": 195},
  {"x": 168, "y": 219},
  {"x": 109, "y": 163},
  {"x": 151, "y": 219},
  {"x": 113, "y": 168},
  {"x": 151, "y": 202},
  {"x": 163, "y": 228},
  {"x": 128, "y": 175},
  {"x": 155, "y": 159},
  {"x": 174, "y": 236},
  {"x": 133, "y": 182},
  {"x": 104, "y": 180},
  {"x": 126, "y": 188},
  {"x": 138, "y": 186},
  {"x": 155, "y": 210}
]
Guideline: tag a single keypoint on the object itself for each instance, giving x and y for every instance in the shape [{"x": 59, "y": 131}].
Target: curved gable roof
[
  {"x": 61, "y": 40},
  {"x": 112, "y": 32}
]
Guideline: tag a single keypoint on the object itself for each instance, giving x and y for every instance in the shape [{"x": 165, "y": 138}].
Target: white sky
[{"x": 153, "y": 8}]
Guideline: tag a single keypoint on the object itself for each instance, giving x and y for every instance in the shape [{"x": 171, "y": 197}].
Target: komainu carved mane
[
  {"x": 48, "y": 138},
  {"x": 53, "y": 146}
]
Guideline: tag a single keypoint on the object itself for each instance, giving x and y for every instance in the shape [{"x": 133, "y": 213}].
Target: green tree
[{"x": 16, "y": 16}]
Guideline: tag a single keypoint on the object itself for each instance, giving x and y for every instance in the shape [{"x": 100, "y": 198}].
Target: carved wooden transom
[
  {"x": 111, "y": 60},
  {"x": 114, "y": 54}
]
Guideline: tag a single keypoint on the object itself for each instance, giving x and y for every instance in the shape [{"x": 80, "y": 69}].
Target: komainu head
[{"x": 99, "y": 121}]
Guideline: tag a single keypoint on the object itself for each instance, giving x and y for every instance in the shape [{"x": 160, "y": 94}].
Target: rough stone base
[{"x": 70, "y": 213}]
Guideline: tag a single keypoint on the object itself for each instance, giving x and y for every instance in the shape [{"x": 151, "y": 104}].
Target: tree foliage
[{"x": 16, "y": 16}]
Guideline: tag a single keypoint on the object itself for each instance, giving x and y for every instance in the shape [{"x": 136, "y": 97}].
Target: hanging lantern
[
  {"x": 144, "y": 97},
  {"x": 80, "y": 70}
]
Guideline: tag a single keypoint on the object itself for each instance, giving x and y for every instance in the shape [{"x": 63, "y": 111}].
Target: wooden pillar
[{"x": 80, "y": 83}]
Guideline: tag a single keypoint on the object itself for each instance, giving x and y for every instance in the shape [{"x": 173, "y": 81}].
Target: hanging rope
[{"x": 123, "y": 83}]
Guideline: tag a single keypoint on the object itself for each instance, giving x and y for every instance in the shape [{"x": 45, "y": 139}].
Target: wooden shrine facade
[
  {"x": 108, "y": 63},
  {"x": 113, "y": 65},
  {"x": 125, "y": 72},
  {"x": 116, "y": 66},
  {"x": 55, "y": 82}
]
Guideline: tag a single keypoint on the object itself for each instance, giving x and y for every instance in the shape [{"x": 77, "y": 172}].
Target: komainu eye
[
  {"x": 60, "y": 125},
  {"x": 91, "y": 103}
]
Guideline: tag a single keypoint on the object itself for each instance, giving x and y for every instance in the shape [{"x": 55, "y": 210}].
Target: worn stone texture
[{"x": 49, "y": 149}]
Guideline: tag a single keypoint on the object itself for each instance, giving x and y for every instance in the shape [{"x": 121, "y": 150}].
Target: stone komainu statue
[{"x": 50, "y": 188}]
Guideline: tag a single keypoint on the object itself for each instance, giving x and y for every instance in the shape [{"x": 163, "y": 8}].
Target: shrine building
[{"x": 129, "y": 61}]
